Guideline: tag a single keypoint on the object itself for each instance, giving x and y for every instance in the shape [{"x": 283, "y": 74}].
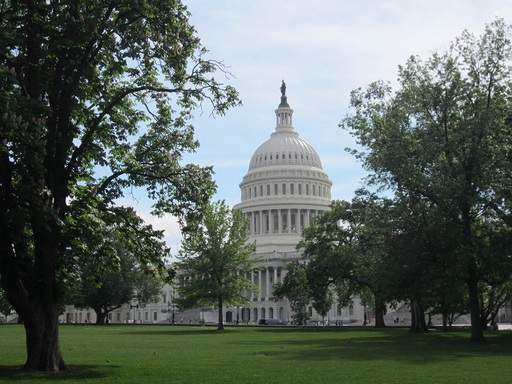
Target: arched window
[
  {"x": 292, "y": 189},
  {"x": 276, "y": 189},
  {"x": 284, "y": 189}
]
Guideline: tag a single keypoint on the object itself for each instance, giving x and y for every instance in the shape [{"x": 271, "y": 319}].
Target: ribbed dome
[{"x": 284, "y": 148}]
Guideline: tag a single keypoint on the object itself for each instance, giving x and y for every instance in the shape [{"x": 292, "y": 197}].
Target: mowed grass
[{"x": 187, "y": 354}]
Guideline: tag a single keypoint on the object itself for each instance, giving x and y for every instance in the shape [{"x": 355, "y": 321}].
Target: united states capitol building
[{"x": 283, "y": 190}]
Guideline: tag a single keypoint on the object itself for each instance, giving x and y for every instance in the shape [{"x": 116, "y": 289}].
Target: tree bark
[
  {"x": 477, "y": 333},
  {"x": 100, "y": 317},
  {"x": 418, "y": 324},
  {"x": 221, "y": 323},
  {"x": 42, "y": 339},
  {"x": 380, "y": 308}
]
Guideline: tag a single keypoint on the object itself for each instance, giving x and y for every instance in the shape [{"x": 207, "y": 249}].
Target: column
[
  {"x": 259, "y": 283},
  {"x": 250, "y": 276},
  {"x": 275, "y": 278},
  {"x": 267, "y": 283}
]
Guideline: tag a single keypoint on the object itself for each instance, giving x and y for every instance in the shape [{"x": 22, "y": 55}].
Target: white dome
[{"x": 284, "y": 148}]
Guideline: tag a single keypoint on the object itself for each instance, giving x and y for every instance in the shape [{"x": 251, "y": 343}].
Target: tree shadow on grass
[
  {"x": 181, "y": 331},
  {"x": 76, "y": 373},
  {"x": 385, "y": 345}
]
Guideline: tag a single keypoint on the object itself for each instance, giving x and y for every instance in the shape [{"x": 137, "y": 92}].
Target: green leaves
[
  {"x": 440, "y": 142},
  {"x": 215, "y": 260}
]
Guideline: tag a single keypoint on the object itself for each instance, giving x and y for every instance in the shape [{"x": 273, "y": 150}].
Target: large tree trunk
[
  {"x": 380, "y": 309},
  {"x": 100, "y": 316},
  {"x": 418, "y": 324},
  {"x": 42, "y": 338},
  {"x": 477, "y": 333},
  {"x": 32, "y": 289}
]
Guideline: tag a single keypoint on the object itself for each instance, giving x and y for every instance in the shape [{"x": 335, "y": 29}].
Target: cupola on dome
[{"x": 284, "y": 147}]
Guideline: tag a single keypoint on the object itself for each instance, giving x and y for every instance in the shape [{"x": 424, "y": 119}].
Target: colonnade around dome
[{"x": 280, "y": 221}]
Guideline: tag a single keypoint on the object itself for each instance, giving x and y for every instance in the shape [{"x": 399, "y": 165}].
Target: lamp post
[{"x": 172, "y": 308}]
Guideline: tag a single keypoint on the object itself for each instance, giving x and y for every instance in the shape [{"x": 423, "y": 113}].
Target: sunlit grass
[{"x": 186, "y": 354}]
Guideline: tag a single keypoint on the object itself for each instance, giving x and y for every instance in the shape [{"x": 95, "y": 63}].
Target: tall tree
[
  {"x": 296, "y": 289},
  {"x": 95, "y": 100},
  {"x": 215, "y": 260},
  {"x": 445, "y": 136},
  {"x": 106, "y": 289},
  {"x": 346, "y": 246}
]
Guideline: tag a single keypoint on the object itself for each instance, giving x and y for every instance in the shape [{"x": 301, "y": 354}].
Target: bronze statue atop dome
[{"x": 284, "y": 102}]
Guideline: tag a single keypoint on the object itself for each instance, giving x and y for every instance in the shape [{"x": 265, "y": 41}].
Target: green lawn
[{"x": 186, "y": 354}]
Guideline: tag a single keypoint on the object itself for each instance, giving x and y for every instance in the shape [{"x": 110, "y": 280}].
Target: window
[
  {"x": 261, "y": 190},
  {"x": 146, "y": 316},
  {"x": 300, "y": 189},
  {"x": 284, "y": 189},
  {"x": 268, "y": 189},
  {"x": 155, "y": 316},
  {"x": 276, "y": 191},
  {"x": 307, "y": 189},
  {"x": 292, "y": 189}
]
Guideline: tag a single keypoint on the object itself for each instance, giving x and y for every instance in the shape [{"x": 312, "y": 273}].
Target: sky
[{"x": 323, "y": 50}]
